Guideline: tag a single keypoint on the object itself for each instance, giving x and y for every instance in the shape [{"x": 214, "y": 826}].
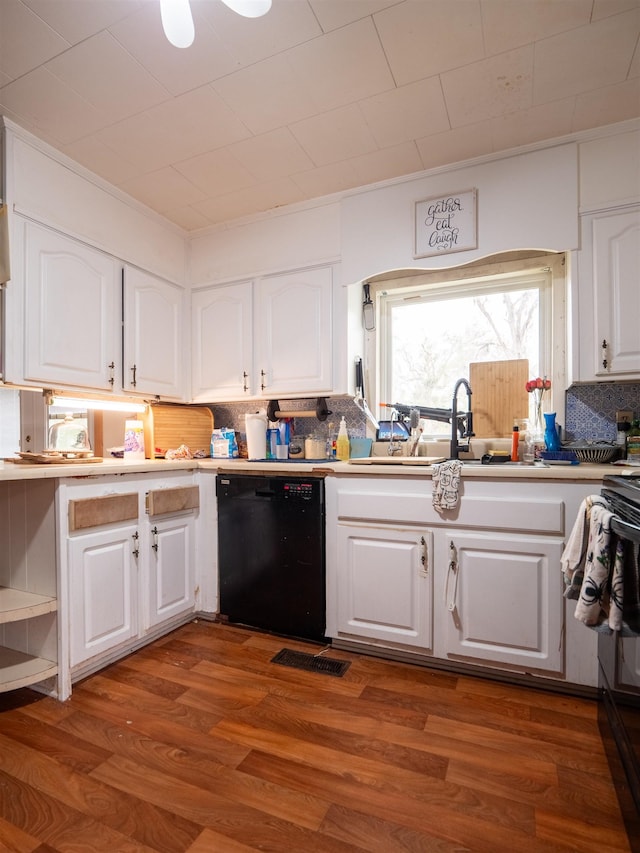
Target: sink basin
[
  {"x": 508, "y": 464},
  {"x": 397, "y": 460}
]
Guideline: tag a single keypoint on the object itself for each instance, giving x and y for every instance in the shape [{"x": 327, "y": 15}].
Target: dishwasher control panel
[{"x": 297, "y": 490}]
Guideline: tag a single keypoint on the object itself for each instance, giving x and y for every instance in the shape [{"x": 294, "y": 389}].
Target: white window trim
[{"x": 554, "y": 331}]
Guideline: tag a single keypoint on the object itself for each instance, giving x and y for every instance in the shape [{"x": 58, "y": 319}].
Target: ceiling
[{"x": 315, "y": 98}]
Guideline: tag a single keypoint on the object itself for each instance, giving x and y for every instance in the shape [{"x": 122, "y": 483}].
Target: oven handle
[{"x": 625, "y": 530}]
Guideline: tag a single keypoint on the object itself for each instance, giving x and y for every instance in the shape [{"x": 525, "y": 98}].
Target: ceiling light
[
  {"x": 78, "y": 403},
  {"x": 249, "y": 8},
  {"x": 177, "y": 22}
]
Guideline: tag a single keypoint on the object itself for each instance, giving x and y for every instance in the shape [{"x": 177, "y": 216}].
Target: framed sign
[{"x": 446, "y": 223}]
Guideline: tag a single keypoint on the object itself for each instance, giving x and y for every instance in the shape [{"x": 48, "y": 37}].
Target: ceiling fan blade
[
  {"x": 249, "y": 8},
  {"x": 177, "y": 22}
]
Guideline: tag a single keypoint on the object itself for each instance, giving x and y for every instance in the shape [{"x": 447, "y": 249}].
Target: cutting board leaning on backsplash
[{"x": 499, "y": 397}]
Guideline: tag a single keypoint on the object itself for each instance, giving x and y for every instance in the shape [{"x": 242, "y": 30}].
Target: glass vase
[{"x": 534, "y": 438}]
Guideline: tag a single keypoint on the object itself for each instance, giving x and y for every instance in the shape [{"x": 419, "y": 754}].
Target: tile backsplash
[
  {"x": 591, "y": 409},
  {"x": 232, "y": 415},
  {"x": 590, "y": 412}
]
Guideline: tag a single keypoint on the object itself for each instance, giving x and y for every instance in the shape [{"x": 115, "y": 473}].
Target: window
[{"x": 431, "y": 326}]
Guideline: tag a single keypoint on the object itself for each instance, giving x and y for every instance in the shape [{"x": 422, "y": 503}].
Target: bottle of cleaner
[
  {"x": 342, "y": 442},
  {"x": 515, "y": 438}
]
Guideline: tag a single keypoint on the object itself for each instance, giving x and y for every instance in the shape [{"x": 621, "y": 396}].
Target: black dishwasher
[{"x": 271, "y": 553}]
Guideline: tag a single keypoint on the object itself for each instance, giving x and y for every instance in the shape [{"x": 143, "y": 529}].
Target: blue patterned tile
[{"x": 591, "y": 409}]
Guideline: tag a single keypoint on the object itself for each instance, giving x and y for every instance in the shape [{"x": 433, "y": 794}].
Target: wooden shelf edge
[
  {"x": 16, "y": 605},
  {"x": 18, "y": 669}
]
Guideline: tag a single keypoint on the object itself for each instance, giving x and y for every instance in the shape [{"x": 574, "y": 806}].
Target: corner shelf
[
  {"x": 18, "y": 669},
  {"x": 15, "y": 604}
]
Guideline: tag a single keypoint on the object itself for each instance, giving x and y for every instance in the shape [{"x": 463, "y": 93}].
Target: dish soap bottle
[{"x": 342, "y": 442}]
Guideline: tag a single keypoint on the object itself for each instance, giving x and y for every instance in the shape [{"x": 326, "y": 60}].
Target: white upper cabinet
[
  {"x": 153, "y": 335},
  {"x": 222, "y": 342},
  {"x": 263, "y": 338},
  {"x": 293, "y": 332},
  {"x": 71, "y": 310},
  {"x": 74, "y": 320},
  {"x": 609, "y": 295}
]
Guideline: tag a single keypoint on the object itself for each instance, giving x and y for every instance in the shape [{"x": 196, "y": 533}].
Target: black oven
[{"x": 619, "y": 659}]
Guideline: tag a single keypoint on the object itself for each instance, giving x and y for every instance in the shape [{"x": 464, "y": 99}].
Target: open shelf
[
  {"x": 18, "y": 669},
  {"x": 15, "y": 604}
]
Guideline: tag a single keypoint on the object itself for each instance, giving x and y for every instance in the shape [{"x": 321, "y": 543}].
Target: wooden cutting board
[
  {"x": 499, "y": 397},
  {"x": 44, "y": 458}
]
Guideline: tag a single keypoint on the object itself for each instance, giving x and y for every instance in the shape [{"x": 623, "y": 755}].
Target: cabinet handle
[
  {"x": 452, "y": 572},
  {"x": 154, "y": 530},
  {"x": 136, "y": 549},
  {"x": 263, "y": 378},
  {"x": 605, "y": 360},
  {"x": 245, "y": 381},
  {"x": 424, "y": 558},
  {"x": 111, "y": 367},
  {"x": 133, "y": 378}
]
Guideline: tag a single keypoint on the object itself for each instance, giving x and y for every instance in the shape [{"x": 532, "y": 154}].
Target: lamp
[
  {"x": 101, "y": 405},
  {"x": 177, "y": 20}
]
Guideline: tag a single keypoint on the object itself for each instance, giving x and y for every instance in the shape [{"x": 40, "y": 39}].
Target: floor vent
[{"x": 311, "y": 663}]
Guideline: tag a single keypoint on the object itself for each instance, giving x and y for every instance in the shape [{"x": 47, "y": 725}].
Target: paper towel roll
[{"x": 256, "y": 429}]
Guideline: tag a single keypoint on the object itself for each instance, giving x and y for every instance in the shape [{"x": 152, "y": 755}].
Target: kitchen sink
[{"x": 397, "y": 460}]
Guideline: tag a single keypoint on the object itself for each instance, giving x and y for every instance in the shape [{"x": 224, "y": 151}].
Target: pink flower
[{"x": 538, "y": 384}]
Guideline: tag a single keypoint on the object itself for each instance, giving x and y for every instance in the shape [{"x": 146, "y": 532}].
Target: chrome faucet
[{"x": 462, "y": 423}]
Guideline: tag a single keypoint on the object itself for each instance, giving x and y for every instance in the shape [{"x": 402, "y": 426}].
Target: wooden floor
[{"x": 198, "y": 743}]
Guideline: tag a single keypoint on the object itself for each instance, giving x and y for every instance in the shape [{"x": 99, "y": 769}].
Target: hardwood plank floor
[{"x": 199, "y": 743}]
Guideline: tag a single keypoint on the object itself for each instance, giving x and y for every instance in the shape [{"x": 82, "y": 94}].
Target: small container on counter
[
  {"x": 315, "y": 447},
  {"x": 296, "y": 449}
]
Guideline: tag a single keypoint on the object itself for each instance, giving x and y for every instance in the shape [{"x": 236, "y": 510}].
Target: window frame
[{"x": 514, "y": 266}]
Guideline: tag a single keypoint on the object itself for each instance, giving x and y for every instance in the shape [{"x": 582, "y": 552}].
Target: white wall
[
  {"x": 529, "y": 201},
  {"x": 525, "y": 200},
  {"x": 45, "y": 185},
  {"x": 285, "y": 239}
]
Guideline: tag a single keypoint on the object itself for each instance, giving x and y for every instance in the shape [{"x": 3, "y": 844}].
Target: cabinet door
[
  {"x": 503, "y": 600},
  {"x": 103, "y": 583},
  {"x": 222, "y": 343},
  {"x": 385, "y": 584},
  {"x": 71, "y": 303},
  {"x": 171, "y": 569},
  {"x": 611, "y": 270},
  {"x": 152, "y": 338},
  {"x": 293, "y": 333}
]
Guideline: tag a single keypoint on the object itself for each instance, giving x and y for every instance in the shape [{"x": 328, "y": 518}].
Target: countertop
[{"x": 570, "y": 473}]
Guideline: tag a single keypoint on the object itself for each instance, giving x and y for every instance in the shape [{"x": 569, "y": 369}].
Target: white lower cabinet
[
  {"x": 478, "y": 586},
  {"x": 503, "y": 599},
  {"x": 128, "y": 564},
  {"x": 170, "y": 564},
  {"x": 385, "y": 584},
  {"x": 103, "y": 569}
]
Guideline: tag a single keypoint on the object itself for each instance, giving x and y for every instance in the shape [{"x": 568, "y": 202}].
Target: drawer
[
  {"x": 108, "y": 509},
  {"x": 518, "y": 507},
  {"x": 179, "y": 499}
]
